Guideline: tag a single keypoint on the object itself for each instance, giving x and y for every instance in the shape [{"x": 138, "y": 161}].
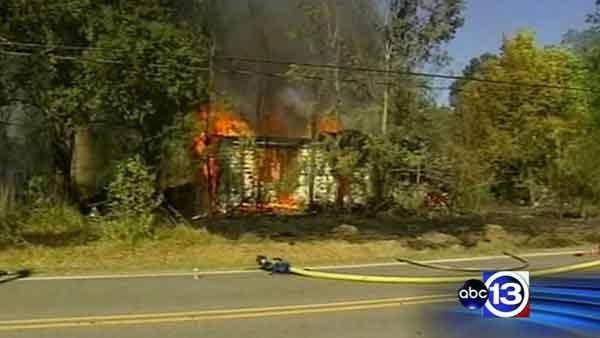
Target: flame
[
  {"x": 200, "y": 143},
  {"x": 228, "y": 124},
  {"x": 215, "y": 123},
  {"x": 222, "y": 122},
  {"x": 287, "y": 201},
  {"x": 329, "y": 125}
]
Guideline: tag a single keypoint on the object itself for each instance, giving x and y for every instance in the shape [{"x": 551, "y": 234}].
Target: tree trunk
[{"x": 83, "y": 169}]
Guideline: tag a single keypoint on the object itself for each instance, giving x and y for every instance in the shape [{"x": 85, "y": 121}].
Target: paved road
[{"x": 253, "y": 305}]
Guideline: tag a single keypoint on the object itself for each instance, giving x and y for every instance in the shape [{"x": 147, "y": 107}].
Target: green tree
[
  {"x": 517, "y": 130},
  {"x": 413, "y": 33},
  {"x": 576, "y": 172},
  {"x": 470, "y": 70},
  {"x": 147, "y": 82},
  {"x": 128, "y": 67},
  {"x": 36, "y": 77}
]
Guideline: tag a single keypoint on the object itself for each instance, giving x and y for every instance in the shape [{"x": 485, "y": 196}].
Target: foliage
[
  {"x": 125, "y": 66},
  {"x": 415, "y": 30},
  {"x": 133, "y": 199},
  {"x": 40, "y": 212},
  {"x": 178, "y": 165},
  {"x": 399, "y": 164},
  {"x": 147, "y": 83},
  {"x": 473, "y": 68},
  {"x": 520, "y": 131},
  {"x": 9, "y": 230}
]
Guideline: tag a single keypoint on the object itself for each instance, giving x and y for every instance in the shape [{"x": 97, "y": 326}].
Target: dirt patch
[
  {"x": 434, "y": 240},
  {"x": 551, "y": 240}
]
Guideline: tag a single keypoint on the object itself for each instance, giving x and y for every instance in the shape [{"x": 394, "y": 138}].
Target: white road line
[{"x": 235, "y": 272}]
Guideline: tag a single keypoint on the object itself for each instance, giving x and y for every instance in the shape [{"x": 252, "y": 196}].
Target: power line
[
  {"x": 288, "y": 76},
  {"x": 244, "y": 72},
  {"x": 91, "y": 60},
  {"x": 323, "y": 66},
  {"x": 235, "y": 71},
  {"x": 9, "y": 123},
  {"x": 401, "y": 73},
  {"x": 51, "y": 47},
  {"x": 247, "y": 72}
]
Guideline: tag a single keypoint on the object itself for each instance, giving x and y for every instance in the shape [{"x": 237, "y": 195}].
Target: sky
[{"x": 487, "y": 20}]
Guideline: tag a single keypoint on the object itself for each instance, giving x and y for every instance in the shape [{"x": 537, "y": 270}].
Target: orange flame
[
  {"x": 200, "y": 143},
  {"x": 286, "y": 201},
  {"x": 329, "y": 125},
  {"x": 228, "y": 124},
  {"x": 221, "y": 123},
  {"x": 215, "y": 122}
]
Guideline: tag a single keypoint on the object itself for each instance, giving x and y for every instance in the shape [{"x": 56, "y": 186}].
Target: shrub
[
  {"x": 411, "y": 198},
  {"x": 46, "y": 212},
  {"x": 57, "y": 219},
  {"x": 40, "y": 214},
  {"x": 127, "y": 227},
  {"x": 133, "y": 198}
]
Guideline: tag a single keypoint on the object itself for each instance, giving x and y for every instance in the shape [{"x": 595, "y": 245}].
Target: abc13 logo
[{"x": 502, "y": 294}]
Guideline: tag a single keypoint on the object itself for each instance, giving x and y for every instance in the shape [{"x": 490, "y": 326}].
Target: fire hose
[
  {"x": 524, "y": 265},
  {"x": 278, "y": 265},
  {"x": 12, "y": 275}
]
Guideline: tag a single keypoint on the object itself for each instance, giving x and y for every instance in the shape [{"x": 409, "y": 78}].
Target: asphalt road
[{"x": 254, "y": 304}]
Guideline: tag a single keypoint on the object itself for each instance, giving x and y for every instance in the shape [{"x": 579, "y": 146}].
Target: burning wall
[{"x": 242, "y": 169}]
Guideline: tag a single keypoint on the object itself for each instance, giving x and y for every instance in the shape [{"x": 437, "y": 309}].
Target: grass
[
  {"x": 184, "y": 249},
  {"x": 61, "y": 241}
]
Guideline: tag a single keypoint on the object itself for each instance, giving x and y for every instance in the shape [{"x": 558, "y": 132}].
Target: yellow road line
[{"x": 162, "y": 318}]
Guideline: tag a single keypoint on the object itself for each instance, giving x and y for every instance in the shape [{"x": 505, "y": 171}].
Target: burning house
[{"x": 260, "y": 170}]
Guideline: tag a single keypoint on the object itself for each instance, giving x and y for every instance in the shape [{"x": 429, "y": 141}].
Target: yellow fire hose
[
  {"x": 431, "y": 280},
  {"x": 524, "y": 265}
]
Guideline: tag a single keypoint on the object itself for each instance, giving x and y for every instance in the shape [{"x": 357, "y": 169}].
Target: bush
[
  {"x": 128, "y": 228},
  {"x": 39, "y": 214},
  {"x": 45, "y": 212},
  {"x": 133, "y": 199},
  {"x": 52, "y": 220},
  {"x": 411, "y": 198}
]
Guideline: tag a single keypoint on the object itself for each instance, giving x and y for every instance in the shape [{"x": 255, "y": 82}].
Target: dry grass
[
  {"x": 192, "y": 250},
  {"x": 309, "y": 240},
  {"x": 7, "y": 200},
  {"x": 185, "y": 249}
]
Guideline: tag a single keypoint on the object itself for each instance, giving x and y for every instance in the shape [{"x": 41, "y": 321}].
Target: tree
[
  {"x": 413, "y": 32},
  {"x": 581, "y": 42},
  {"x": 77, "y": 64},
  {"x": 576, "y": 172},
  {"x": 519, "y": 130},
  {"x": 29, "y": 35},
  {"x": 470, "y": 70},
  {"x": 147, "y": 82}
]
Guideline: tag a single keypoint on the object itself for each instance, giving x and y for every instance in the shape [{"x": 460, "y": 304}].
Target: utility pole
[
  {"x": 337, "y": 47},
  {"x": 210, "y": 196},
  {"x": 389, "y": 48}
]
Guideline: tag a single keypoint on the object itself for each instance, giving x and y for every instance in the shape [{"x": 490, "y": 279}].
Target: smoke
[
  {"x": 298, "y": 100},
  {"x": 284, "y": 31}
]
